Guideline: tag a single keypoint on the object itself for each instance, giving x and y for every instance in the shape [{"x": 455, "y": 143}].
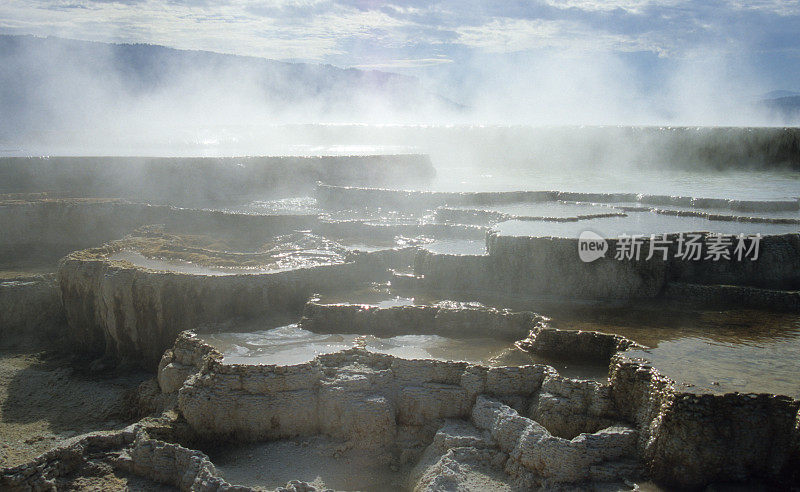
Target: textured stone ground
[{"x": 45, "y": 401}]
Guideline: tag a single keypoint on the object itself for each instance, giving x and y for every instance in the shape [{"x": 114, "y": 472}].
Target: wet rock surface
[
  {"x": 125, "y": 311},
  {"x": 567, "y": 418},
  {"x": 447, "y": 319},
  {"x": 203, "y": 180},
  {"x": 138, "y": 281},
  {"x": 550, "y": 266},
  {"x": 354, "y": 197},
  {"x": 30, "y": 309},
  {"x": 580, "y": 345},
  {"x": 395, "y": 406},
  {"x": 690, "y": 439},
  {"x": 728, "y": 295}
]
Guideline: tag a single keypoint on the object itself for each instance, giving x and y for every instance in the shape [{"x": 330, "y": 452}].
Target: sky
[{"x": 637, "y": 49}]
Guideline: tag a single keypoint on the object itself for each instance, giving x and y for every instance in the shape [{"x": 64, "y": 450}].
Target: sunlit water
[
  {"x": 547, "y": 209},
  {"x": 639, "y": 223},
  {"x": 457, "y": 246},
  {"x": 138, "y": 259},
  {"x": 375, "y": 295},
  {"x": 288, "y": 345},
  {"x": 301, "y": 205},
  {"x": 306, "y": 258},
  {"x": 712, "y": 350},
  {"x": 740, "y": 185},
  {"x": 726, "y": 212},
  {"x": 766, "y": 367}
]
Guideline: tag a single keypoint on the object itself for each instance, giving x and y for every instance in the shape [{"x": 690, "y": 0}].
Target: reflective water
[
  {"x": 304, "y": 205},
  {"x": 375, "y": 295},
  {"x": 741, "y": 185},
  {"x": 288, "y": 345},
  {"x": 282, "y": 262},
  {"x": 699, "y": 362},
  {"x": 712, "y": 350},
  {"x": 644, "y": 223},
  {"x": 376, "y": 216},
  {"x": 781, "y": 214},
  {"x": 457, "y": 246},
  {"x": 547, "y": 209},
  {"x": 137, "y": 259}
]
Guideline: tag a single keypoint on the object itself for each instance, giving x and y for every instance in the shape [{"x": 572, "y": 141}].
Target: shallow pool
[
  {"x": 290, "y": 344},
  {"x": 641, "y": 223},
  {"x": 711, "y": 350}
]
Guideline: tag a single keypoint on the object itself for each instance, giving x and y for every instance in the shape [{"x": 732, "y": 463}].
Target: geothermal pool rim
[{"x": 429, "y": 422}]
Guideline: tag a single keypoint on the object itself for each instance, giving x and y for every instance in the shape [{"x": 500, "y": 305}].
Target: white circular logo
[{"x": 591, "y": 246}]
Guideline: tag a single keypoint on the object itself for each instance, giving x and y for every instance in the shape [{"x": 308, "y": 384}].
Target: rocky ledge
[{"x": 130, "y": 313}]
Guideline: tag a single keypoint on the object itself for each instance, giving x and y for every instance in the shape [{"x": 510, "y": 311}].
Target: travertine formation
[
  {"x": 30, "y": 308},
  {"x": 193, "y": 181},
  {"x": 331, "y": 196},
  {"x": 531, "y": 426},
  {"x": 124, "y": 312},
  {"x": 737, "y": 295},
  {"x": 690, "y": 439},
  {"x": 544, "y": 460},
  {"x": 113, "y": 458},
  {"x": 441, "y": 424},
  {"x": 585, "y": 346},
  {"x": 396, "y": 407},
  {"x": 549, "y": 266},
  {"x": 51, "y": 225},
  {"x": 452, "y": 319}
]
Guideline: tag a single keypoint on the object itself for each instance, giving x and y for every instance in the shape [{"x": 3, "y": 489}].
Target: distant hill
[
  {"x": 779, "y": 94},
  {"x": 53, "y": 84},
  {"x": 784, "y": 104}
]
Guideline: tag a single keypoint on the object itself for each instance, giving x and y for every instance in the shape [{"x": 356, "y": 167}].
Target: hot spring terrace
[{"x": 304, "y": 316}]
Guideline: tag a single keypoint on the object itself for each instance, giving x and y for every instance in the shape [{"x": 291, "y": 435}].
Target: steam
[
  {"x": 93, "y": 91},
  {"x": 706, "y": 86},
  {"x": 146, "y": 99}
]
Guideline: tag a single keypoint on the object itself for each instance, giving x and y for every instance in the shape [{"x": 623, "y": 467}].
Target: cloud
[
  {"x": 634, "y": 6},
  {"x": 779, "y": 7},
  {"x": 239, "y": 27},
  {"x": 440, "y": 39},
  {"x": 326, "y": 30},
  {"x": 502, "y": 35},
  {"x": 408, "y": 63}
]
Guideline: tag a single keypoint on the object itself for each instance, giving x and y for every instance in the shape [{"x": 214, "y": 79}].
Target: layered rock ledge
[
  {"x": 130, "y": 313},
  {"x": 550, "y": 266},
  {"x": 541, "y": 429},
  {"x": 333, "y": 196},
  {"x": 396, "y": 406},
  {"x": 200, "y": 181}
]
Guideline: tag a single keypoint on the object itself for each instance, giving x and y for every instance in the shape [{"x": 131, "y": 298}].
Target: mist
[
  {"x": 310, "y": 245},
  {"x": 131, "y": 97}
]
